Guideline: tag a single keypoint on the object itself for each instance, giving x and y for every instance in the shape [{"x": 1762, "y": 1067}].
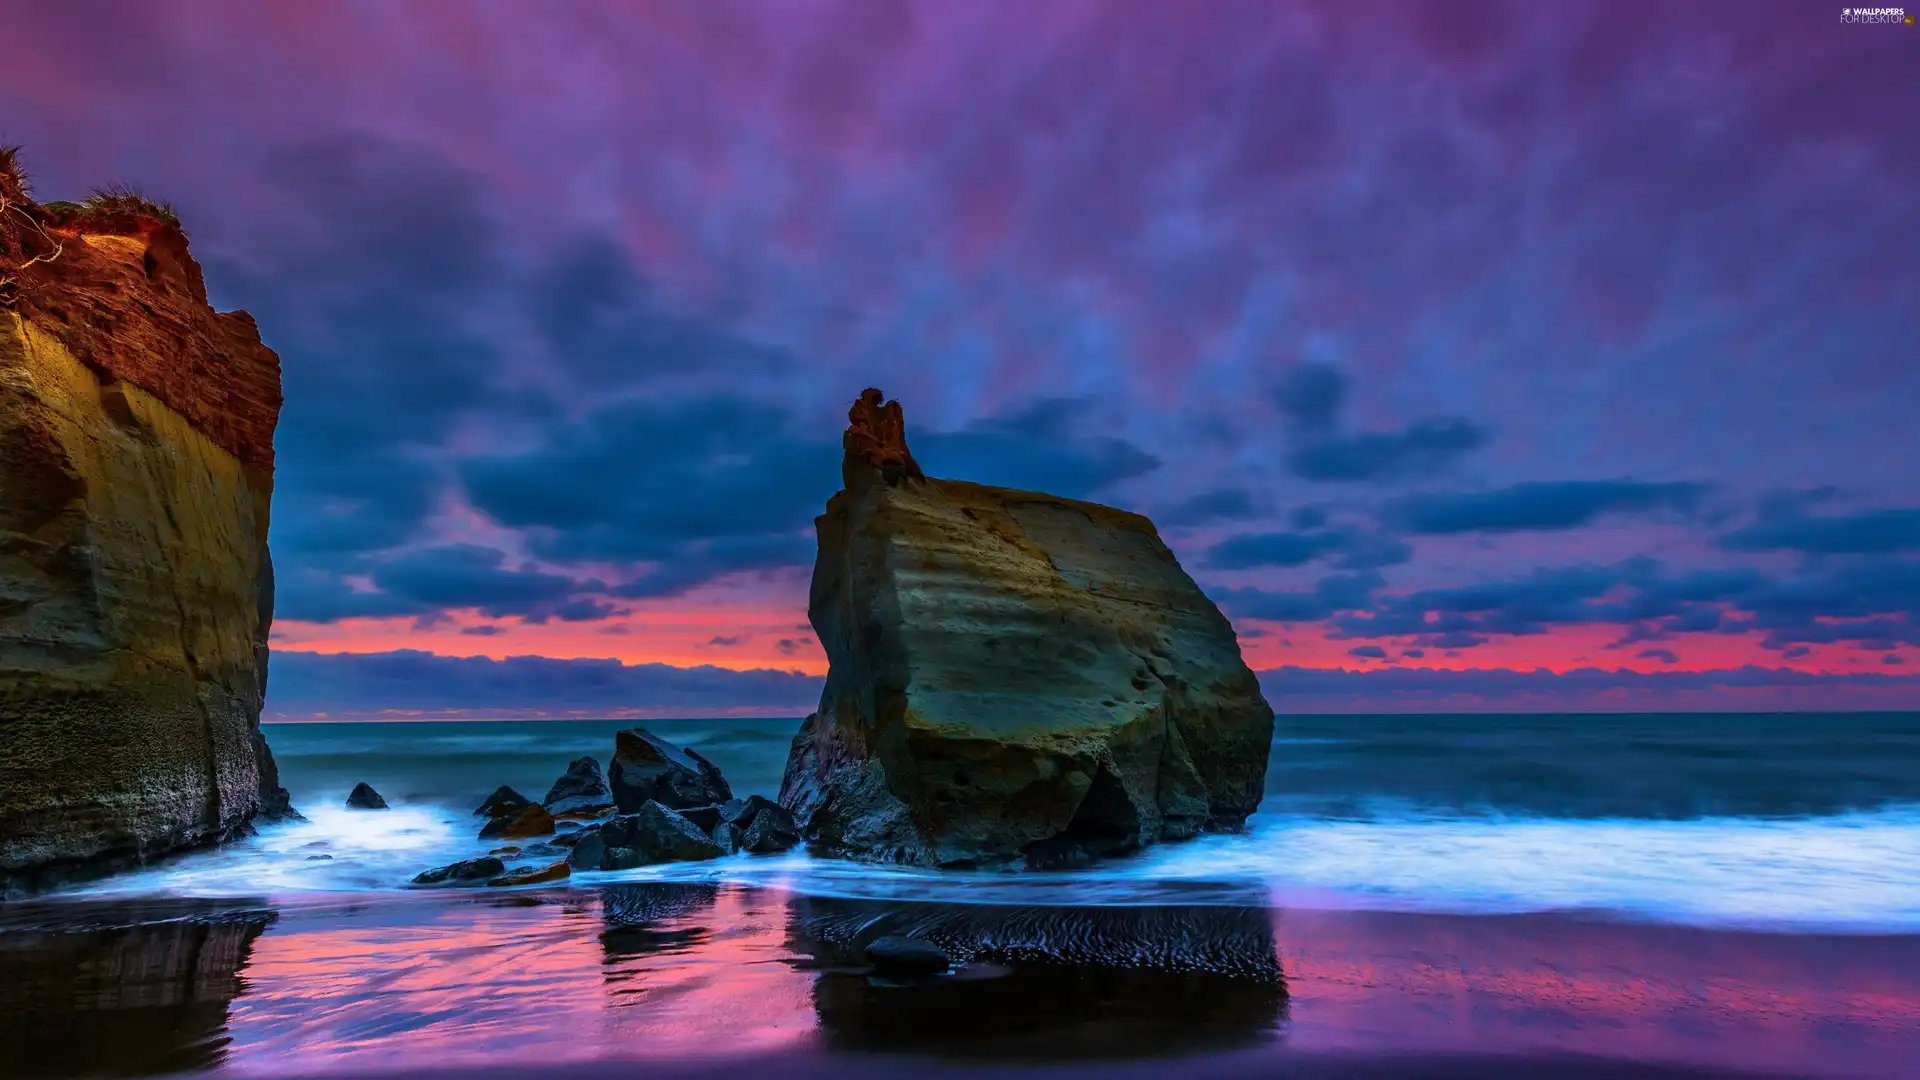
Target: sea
[{"x": 1790, "y": 821}]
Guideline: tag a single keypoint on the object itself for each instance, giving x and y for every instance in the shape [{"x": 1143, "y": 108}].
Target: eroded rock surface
[
  {"x": 1016, "y": 678},
  {"x": 581, "y": 789},
  {"x": 136, "y": 595}
]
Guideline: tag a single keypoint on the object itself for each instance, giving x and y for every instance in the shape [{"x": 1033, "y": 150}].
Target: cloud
[
  {"x": 370, "y": 684},
  {"x": 1665, "y": 656},
  {"x": 1041, "y": 447},
  {"x": 1368, "y": 652},
  {"x": 1870, "y": 532},
  {"x": 1559, "y": 505},
  {"x": 1338, "y": 592},
  {"x": 1220, "y": 504},
  {"x": 1427, "y": 446},
  {"x": 1312, "y": 397},
  {"x": 1399, "y": 688},
  {"x": 1349, "y": 549}
]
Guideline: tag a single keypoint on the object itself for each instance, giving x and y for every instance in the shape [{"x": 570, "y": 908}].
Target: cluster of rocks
[{"x": 655, "y": 803}]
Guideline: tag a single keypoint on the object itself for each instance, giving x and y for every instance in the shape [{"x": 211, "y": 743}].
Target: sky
[{"x": 1470, "y": 355}]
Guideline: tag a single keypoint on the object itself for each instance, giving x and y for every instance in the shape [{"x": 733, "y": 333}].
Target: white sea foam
[{"x": 1854, "y": 872}]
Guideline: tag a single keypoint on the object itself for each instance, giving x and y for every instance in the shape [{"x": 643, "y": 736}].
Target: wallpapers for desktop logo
[{"x": 1873, "y": 16}]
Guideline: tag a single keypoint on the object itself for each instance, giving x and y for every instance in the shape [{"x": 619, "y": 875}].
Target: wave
[{"x": 1850, "y": 872}]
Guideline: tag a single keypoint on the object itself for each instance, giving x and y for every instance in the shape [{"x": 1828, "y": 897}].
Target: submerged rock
[
  {"x": 772, "y": 830},
  {"x": 1015, "y": 678},
  {"x": 647, "y": 768},
  {"x": 897, "y": 954},
  {"x": 581, "y": 790},
  {"x": 504, "y": 802},
  {"x": 136, "y": 592},
  {"x": 532, "y": 875},
  {"x": 653, "y": 834},
  {"x": 470, "y": 870},
  {"x": 363, "y": 797},
  {"x": 531, "y": 821}
]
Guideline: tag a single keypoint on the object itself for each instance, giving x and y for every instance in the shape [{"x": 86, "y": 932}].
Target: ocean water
[{"x": 1792, "y": 822}]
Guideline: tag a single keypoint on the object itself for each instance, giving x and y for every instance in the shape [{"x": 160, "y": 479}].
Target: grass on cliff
[
  {"x": 121, "y": 199},
  {"x": 14, "y": 185}
]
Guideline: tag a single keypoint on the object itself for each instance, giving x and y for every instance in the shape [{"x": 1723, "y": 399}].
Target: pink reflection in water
[
  {"x": 1827, "y": 1005},
  {"x": 504, "y": 979}
]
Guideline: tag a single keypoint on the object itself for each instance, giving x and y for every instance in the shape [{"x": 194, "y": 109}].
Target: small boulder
[
  {"x": 533, "y": 821},
  {"x": 582, "y": 789},
  {"x": 504, "y": 802},
  {"x": 899, "y": 955},
  {"x": 741, "y": 812},
  {"x": 653, "y": 834},
  {"x": 727, "y": 836},
  {"x": 364, "y": 797},
  {"x": 508, "y": 850},
  {"x": 532, "y": 875},
  {"x": 471, "y": 870},
  {"x": 589, "y": 850},
  {"x": 566, "y": 839},
  {"x": 706, "y": 817},
  {"x": 772, "y": 831},
  {"x": 319, "y": 858},
  {"x": 647, "y": 768}
]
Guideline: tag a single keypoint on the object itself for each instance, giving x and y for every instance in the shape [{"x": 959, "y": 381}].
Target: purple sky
[{"x": 1572, "y": 348}]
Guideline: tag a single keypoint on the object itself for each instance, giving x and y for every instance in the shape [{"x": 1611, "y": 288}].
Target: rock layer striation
[
  {"x": 1016, "y": 679},
  {"x": 136, "y": 593}
]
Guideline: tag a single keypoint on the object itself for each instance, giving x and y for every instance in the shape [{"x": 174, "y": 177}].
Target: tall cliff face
[
  {"x": 136, "y": 594},
  {"x": 1016, "y": 679}
]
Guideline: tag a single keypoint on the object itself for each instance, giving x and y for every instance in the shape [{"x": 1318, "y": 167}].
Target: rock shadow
[{"x": 1046, "y": 983}]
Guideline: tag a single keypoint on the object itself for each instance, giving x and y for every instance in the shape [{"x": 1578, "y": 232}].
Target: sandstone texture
[
  {"x": 1016, "y": 679},
  {"x": 136, "y": 593}
]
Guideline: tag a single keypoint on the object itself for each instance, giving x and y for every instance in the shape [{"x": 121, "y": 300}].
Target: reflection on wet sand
[
  {"x": 461, "y": 981},
  {"x": 81, "y": 998},
  {"x": 1047, "y": 983}
]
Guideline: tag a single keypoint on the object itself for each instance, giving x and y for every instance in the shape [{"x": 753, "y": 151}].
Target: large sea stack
[
  {"x": 1016, "y": 679},
  {"x": 136, "y": 467}
]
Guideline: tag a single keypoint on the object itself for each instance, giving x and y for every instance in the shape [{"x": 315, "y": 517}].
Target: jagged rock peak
[{"x": 876, "y": 438}]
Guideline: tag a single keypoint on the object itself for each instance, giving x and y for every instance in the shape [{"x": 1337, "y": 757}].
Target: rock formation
[
  {"x": 647, "y": 768},
  {"x": 1016, "y": 679},
  {"x": 136, "y": 469},
  {"x": 582, "y": 789}
]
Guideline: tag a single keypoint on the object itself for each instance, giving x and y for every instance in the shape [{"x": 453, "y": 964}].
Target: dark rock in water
[
  {"x": 773, "y": 830},
  {"x": 727, "y": 836},
  {"x": 543, "y": 851},
  {"x": 319, "y": 858},
  {"x": 504, "y": 802},
  {"x": 566, "y": 839},
  {"x": 532, "y": 821},
  {"x": 582, "y": 789},
  {"x": 653, "y": 834},
  {"x": 531, "y": 875},
  {"x": 742, "y": 811},
  {"x": 589, "y": 850},
  {"x": 647, "y": 768},
  {"x": 363, "y": 797},
  {"x": 508, "y": 850},
  {"x": 471, "y": 870},
  {"x": 897, "y": 954},
  {"x": 704, "y": 817},
  {"x": 1015, "y": 679}
]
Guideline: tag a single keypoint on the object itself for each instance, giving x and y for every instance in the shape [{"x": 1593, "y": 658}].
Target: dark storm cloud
[
  {"x": 1560, "y": 505},
  {"x": 1870, "y": 532},
  {"x": 1367, "y": 652},
  {"x": 1665, "y": 656},
  {"x": 1312, "y": 396},
  {"x": 305, "y": 683}
]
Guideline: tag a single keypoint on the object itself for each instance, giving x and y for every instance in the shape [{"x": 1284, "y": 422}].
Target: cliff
[
  {"x": 1015, "y": 679},
  {"x": 136, "y": 593}
]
